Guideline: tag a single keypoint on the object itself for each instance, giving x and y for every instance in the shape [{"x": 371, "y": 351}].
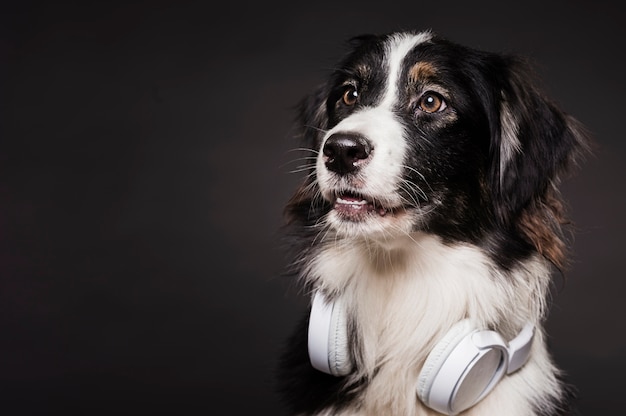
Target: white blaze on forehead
[
  {"x": 381, "y": 175},
  {"x": 397, "y": 47}
]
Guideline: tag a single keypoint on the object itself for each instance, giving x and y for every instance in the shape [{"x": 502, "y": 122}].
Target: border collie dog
[{"x": 426, "y": 231}]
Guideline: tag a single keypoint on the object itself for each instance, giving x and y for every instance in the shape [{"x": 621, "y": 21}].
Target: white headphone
[{"x": 460, "y": 371}]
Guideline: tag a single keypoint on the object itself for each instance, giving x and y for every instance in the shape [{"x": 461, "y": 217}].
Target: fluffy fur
[{"x": 431, "y": 196}]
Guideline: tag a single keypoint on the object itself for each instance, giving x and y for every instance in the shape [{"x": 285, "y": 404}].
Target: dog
[{"x": 426, "y": 231}]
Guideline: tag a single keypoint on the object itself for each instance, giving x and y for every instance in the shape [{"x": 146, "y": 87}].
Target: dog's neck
[
  {"x": 415, "y": 294},
  {"x": 420, "y": 277}
]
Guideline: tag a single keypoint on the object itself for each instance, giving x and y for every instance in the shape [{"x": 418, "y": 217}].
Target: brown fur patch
[
  {"x": 421, "y": 72},
  {"x": 541, "y": 223}
]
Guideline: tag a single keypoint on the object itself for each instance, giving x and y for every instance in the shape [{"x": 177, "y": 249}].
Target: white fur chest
[{"x": 403, "y": 295}]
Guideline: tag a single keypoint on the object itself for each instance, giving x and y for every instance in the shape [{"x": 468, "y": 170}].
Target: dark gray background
[{"x": 144, "y": 163}]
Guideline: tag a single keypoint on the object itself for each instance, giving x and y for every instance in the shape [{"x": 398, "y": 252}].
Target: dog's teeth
[{"x": 351, "y": 202}]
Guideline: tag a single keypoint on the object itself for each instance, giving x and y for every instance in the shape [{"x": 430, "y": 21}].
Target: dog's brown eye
[
  {"x": 350, "y": 96},
  {"x": 431, "y": 102}
]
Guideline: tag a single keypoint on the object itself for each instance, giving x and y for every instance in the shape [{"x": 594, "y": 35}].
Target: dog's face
[
  {"x": 414, "y": 132},
  {"x": 401, "y": 133}
]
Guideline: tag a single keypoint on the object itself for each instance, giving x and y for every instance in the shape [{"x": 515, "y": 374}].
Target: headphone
[{"x": 462, "y": 368}]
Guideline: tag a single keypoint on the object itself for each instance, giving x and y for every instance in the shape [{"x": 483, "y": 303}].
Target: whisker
[
  {"x": 305, "y": 158},
  {"x": 413, "y": 193},
  {"x": 408, "y": 187},
  {"x": 302, "y": 168},
  {"x": 308, "y": 126},
  {"x": 412, "y": 169},
  {"x": 325, "y": 229},
  {"x": 303, "y": 149}
]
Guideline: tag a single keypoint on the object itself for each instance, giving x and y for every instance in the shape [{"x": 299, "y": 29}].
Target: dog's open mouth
[{"x": 356, "y": 207}]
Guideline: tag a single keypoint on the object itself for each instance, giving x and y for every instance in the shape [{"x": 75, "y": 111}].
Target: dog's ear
[
  {"x": 533, "y": 142},
  {"x": 312, "y": 118},
  {"x": 533, "y": 145},
  {"x": 311, "y": 122}
]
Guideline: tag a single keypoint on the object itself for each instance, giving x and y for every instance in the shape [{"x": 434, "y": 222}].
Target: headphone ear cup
[
  {"x": 338, "y": 347},
  {"x": 438, "y": 356},
  {"x": 328, "y": 337},
  {"x": 462, "y": 369}
]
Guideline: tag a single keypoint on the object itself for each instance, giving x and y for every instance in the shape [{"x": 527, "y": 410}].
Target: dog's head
[{"x": 412, "y": 132}]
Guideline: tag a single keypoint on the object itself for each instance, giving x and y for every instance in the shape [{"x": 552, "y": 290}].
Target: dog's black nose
[{"x": 343, "y": 151}]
